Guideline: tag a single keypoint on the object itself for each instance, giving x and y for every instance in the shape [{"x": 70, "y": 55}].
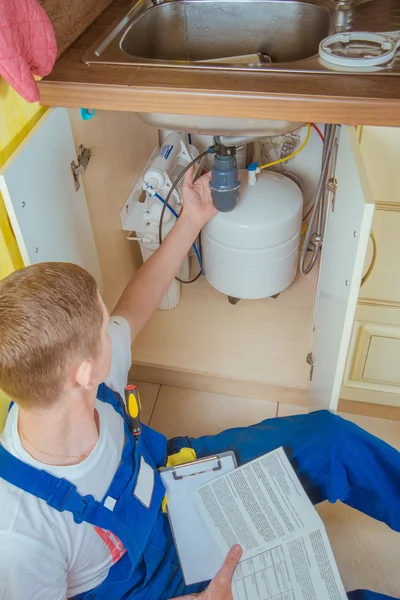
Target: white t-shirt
[{"x": 44, "y": 554}]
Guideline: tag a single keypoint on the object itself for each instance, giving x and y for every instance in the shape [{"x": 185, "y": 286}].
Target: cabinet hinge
[
  {"x": 332, "y": 188},
  {"x": 310, "y": 361},
  {"x": 83, "y": 161}
]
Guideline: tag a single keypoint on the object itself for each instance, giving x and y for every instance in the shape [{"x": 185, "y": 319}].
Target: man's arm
[{"x": 146, "y": 289}]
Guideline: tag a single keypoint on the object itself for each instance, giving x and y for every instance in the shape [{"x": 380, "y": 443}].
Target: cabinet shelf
[{"x": 263, "y": 342}]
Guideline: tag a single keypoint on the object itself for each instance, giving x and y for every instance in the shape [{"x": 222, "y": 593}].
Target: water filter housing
[
  {"x": 157, "y": 174},
  {"x": 252, "y": 251},
  {"x": 141, "y": 212}
]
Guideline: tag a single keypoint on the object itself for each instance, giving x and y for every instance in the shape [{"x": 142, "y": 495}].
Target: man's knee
[{"x": 332, "y": 422}]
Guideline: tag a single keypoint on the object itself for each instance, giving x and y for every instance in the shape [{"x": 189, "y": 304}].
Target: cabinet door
[
  {"x": 383, "y": 286},
  {"x": 345, "y": 245},
  {"x": 49, "y": 218},
  {"x": 380, "y": 150},
  {"x": 372, "y": 371}
]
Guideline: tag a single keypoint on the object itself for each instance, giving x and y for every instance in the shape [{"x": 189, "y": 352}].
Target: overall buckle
[
  {"x": 65, "y": 493},
  {"x": 79, "y": 514},
  {"x": 62, "y": 492}
]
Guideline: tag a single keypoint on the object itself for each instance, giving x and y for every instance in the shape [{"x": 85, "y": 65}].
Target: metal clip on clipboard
[{"x": 200, "y": 461}]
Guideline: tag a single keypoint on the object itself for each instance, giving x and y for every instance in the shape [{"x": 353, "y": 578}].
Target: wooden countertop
[{"x": 358, "y": 99}]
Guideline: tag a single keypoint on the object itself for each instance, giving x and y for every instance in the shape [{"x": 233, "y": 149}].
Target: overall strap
[
  {"x": 108, "y": 396},
  {"x": 56, "y": 492},
  {"x": 59, "y": 493},
  {"x": 62, "y": 495}
]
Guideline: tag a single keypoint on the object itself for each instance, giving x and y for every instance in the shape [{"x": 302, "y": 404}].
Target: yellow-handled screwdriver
[{"x": 132, "y": 401}]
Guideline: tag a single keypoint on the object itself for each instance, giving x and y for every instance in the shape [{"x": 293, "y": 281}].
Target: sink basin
[
  {"x": 281, "y": 34},
  {"x": 199, "y": 30},
  {"x": 229, "y": 126},
  {"x": 266, "y": 35}
]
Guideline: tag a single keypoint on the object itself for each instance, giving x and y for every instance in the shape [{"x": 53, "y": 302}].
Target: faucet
[{"x": 344, "y": 12}]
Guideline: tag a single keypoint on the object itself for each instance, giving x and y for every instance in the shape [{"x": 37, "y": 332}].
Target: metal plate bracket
[{"x": 83, "y": 161}]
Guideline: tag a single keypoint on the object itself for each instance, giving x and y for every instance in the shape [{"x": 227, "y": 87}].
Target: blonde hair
[{"x": 50, "y": 316}]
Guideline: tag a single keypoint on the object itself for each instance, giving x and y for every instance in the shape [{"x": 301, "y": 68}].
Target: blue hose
[
  {"x": 196, "y": 250},
  {"x": 168, "y": 206}
]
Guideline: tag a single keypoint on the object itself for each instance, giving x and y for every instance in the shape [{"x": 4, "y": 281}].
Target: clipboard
[{"x": 199, "y": 554}]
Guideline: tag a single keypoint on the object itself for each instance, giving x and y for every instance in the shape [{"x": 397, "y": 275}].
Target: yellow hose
[
  {"x": 373, "y": 261},
  {"x": 281, "y": 160}
]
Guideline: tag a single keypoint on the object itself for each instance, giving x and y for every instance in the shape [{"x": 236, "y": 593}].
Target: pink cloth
[{"x": 27, "y": 45}]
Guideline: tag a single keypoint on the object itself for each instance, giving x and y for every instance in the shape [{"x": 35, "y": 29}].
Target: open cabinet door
[
  {"x": 345, "y": 244},
  {"x": 49, "y": 218}
]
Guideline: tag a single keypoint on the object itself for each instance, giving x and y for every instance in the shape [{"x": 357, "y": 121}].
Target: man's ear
[{"x": 84, "y": 375}]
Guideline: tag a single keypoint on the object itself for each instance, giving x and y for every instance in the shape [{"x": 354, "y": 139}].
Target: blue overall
[{"x": 334, "y": 459}]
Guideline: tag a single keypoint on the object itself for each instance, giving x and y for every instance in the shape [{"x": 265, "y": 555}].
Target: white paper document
[{"x": 286, "y": 552}]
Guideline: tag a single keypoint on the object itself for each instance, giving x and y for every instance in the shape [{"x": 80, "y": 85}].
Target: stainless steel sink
[
  {"x": 198, "y": 30},
  {"x": 283, "y": 34}
]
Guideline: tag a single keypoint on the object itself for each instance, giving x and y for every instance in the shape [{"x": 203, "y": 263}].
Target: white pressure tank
[{"x": 252, "y": 251}]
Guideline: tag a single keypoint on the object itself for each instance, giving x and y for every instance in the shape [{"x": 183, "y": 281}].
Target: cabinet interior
[{"x": 256, "y": 348}]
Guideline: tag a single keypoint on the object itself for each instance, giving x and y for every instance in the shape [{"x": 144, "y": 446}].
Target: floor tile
[
  {"x": 148, "y": 396},
  {"x": 287, "y": 410},
  {"x": 180, "y": 411},
  {"x": 367, "y": 552},
  {"x": 389, "y": 431}
]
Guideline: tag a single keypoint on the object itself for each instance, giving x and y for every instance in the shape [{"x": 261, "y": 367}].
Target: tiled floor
[
  {"x": 148, "y": 397},
  {"x": 367, "y": 552},
  {"x": 188, "y": 412}
]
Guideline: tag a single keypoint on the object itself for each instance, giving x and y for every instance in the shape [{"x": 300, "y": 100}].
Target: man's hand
[
  {"x": 197, "y": 202},
  {"x": 145, "y": 291},
  {"x": 220, "y": 587}
]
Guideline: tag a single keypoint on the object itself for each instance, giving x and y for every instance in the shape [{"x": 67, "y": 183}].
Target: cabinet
[
  {"x": 383, "y": 286},
  {"x": 257, "y": 348},
  {"x": 372, "y": 374},
  {"x": 49, "y": 217},
  {"x": 51, "y": 220},
  {"x": 372, "y": 371}
]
